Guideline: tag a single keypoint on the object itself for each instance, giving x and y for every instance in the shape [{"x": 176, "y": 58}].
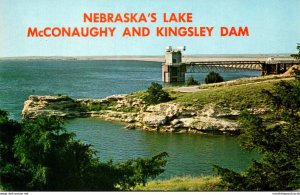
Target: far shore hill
[{"x": 186, "y": 58}]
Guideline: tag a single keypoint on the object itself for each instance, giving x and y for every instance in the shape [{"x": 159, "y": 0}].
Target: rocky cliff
[{"x": 165, "y": 117}]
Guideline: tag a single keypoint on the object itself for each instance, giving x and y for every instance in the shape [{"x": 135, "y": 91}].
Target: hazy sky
[{"x": 274, "y": 27}]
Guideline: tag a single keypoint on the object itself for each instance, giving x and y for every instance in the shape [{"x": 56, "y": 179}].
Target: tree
[
  {"x": 155, "y": 94},
  {"x": 276, "y": 138},
  {"x": 213, "y": 77},
  {"x": 41, "y": 155},
  {"x": 12, "y": 176},
  {"x": 191, "y": 81},
  {"x": 297, "y": 56}
]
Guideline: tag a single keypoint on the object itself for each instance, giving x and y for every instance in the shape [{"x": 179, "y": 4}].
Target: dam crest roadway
[{"x": 173, "y": 69}]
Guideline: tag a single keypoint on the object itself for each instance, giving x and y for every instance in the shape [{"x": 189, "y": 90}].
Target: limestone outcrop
[{"x": 165, "y": 117}]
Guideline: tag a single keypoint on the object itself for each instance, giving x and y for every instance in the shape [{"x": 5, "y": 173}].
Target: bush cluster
[
  {"x": 191, "y": 81},
  {"x": 213, "y": 77},
  {"x": 155, "y": 94}
]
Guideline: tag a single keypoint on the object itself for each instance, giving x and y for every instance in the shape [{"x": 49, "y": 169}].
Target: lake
[{"x": 189, "y": 154}]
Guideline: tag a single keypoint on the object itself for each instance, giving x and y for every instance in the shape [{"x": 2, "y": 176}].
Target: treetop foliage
[
  {"x": 213, "y": 77},
  {"x": 156, "y": 94},
  {"x": 191, "y": 81},
  {"x": 297, "y": 56},
  {"x": 39, "y": 154}
]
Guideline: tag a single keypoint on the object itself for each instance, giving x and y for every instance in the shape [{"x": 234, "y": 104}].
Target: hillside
[{"x": 237, "y": 94}]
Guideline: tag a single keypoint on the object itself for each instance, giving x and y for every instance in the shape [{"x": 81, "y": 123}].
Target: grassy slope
[
  {"x": 183, "y": 184},
  {"x": 237, "y": 95}
]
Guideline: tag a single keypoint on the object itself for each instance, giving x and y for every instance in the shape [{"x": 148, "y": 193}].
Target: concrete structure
[{"x": 173, "y": 70}]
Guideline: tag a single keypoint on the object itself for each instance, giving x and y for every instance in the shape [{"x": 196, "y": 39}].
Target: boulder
[
  {"x": 129, "y": 119},
  {"x": 154, "y": 120},
  {"x": 213, "y": 124},
  {"x": 168, "y": 109},
  {"x": 175, "y": 122},
  {"x": 187, "y": 122}
]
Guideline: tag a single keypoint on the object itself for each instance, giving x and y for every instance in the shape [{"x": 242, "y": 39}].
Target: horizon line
[{"x": 142, "y": 56}]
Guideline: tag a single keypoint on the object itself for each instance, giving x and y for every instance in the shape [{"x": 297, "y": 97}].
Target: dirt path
[{"x": 188, "y": 89}]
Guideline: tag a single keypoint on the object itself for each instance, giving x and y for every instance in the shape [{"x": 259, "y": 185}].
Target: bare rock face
[
  {"x": 171, "y": 117},
  {"x": 210, "y": 119},
  {"x": 126, "y": 102},
  {"x": 215, "y": 111},
  {"x": 154, "y": 120},
  {"x": 186, "y": 122},
  {"x": 66, "y": 107},
  {"x": 157, "y": 116},
  {"x": 165, "y": 117},
  {"x": 168, "y": 109},
  {"x": 61, "y": 106},
  {"x": 213, "y": 124}
]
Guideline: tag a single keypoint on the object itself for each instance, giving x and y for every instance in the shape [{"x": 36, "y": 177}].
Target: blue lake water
[{"x": 188, "y": 154}]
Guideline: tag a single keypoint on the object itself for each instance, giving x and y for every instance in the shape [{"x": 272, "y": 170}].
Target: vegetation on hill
[
  {"x": 276, "y": 139},
  {"x": 155, "y": 94},
  {"x": 238, "y": 94},
  {"x": 213, "y": 77},
  {"x": 247, "y": 81},
  {"x": 236, "y": 97},
  {"x": 39, "y": 155},
  {"x": 191, "y": 81}
]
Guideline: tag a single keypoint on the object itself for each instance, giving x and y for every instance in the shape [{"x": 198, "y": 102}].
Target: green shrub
[
  {"x": 40, "y": 155},
  {"x": 155, "y": 94},
  {"x": 191, "y": 81},
  {"x": 213, "y": 77}
]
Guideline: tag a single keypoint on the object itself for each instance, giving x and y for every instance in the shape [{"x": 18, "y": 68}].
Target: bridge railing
[
  {"x": 223, "y": 66},
  {"x": 267, "y": 67}
]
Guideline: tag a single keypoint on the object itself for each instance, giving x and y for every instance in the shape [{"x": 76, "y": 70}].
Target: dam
[{"x": 173, "y": 69}]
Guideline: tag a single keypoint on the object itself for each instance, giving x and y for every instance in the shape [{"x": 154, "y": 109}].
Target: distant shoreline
[{"x": 186, "y": 58}]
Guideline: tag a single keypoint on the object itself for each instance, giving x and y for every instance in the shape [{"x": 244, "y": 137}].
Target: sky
[{"x": 274, "y": 27}]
